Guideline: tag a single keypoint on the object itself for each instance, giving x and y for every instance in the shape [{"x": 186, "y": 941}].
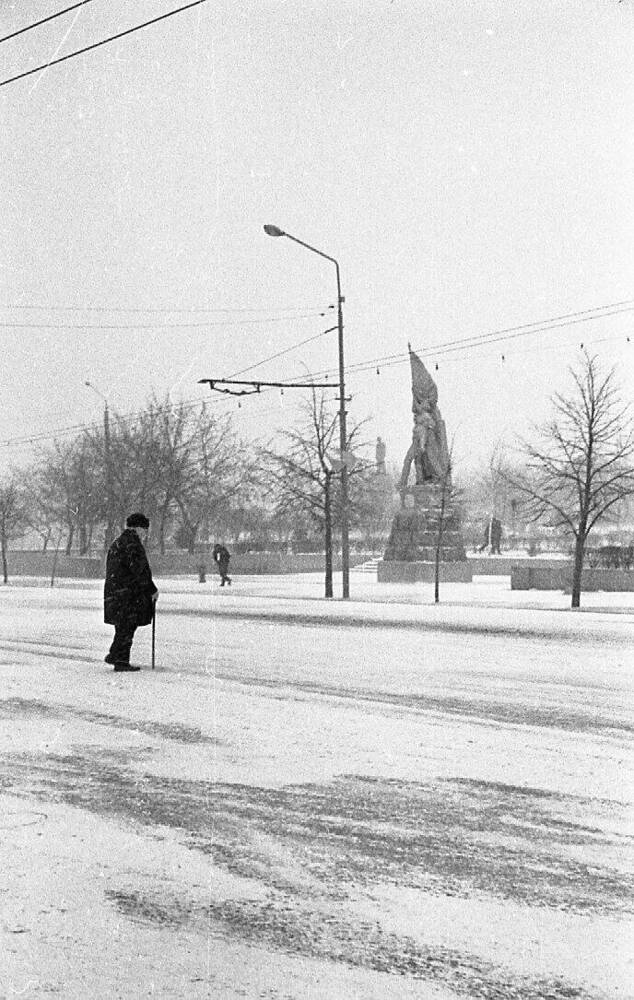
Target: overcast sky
[{"x": 468, "y": 163}]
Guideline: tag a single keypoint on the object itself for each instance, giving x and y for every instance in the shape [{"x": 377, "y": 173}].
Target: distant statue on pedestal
[
  {"x": 425, "y": 541},
  {"x": 428, "y": 450},
  {"x": 380, "y": 457}
]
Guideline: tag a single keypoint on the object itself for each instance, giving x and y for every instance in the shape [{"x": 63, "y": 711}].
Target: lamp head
[{"x": 273, "y": 231}]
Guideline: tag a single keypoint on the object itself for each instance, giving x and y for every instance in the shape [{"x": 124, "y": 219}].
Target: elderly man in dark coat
[{"x": 129, "y": 592}]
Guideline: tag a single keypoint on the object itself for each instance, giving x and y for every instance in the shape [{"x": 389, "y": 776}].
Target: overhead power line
[
  {"x": 104, "y": 41},
  {"x": 286, "y": 350},
  {"x": 482, "y": 340},
  {"x": 51, "y": 17},
  {"x": 537, "y": 326},
  {"x": 173, "y": 309},
  {"x": 154, "y": 326},
  {"x": 450, "y": 347}
]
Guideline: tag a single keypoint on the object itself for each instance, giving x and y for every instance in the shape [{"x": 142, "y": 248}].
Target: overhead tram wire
[
  {"x": 132, "y": 414},
  {"x": 481, "y": 339},
  {"x": 154, "y": 325},
  {"x": 478, "y": 340},
  {"x": 453, "y": 346},
  {"x": 189, "y": 404},
  {"x": 51, "y": 17},
  {"x": 186, "y": 405},
  {"x": 220, "y": 401},
  {"x": 279, "y": 354},
  {"x": 316, "y": 310},
  {"x": 103, "y": 41}
]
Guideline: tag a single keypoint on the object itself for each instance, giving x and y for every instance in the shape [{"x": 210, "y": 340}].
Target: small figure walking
[
  {"x": 221, "y": 557},
  {"x": 129, "y": 592},
  {"x": 492, "y": 537}
]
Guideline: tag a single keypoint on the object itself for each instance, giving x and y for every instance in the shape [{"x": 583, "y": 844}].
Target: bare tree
[
  {"x": 211, "y": 470},
  {"x": 68, "y": 484},
  {"x": 304, "y": 480},
  {"x": 140, "y": 474},
  {"x": 12, "y": 517},
  {"x": 582, "y": 466},
  {"x": 39, "y": 516},
  {"x": 170, "y": 462}
]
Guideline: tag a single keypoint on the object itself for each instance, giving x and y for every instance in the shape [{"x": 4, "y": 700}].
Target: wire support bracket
[{"x": 251, "y": 388}]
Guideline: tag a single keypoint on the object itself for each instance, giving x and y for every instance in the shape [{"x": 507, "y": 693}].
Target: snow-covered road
[{"x": 379, "y": 798}]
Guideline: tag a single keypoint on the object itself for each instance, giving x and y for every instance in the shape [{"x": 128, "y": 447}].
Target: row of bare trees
[
  {"x": 188, "y": 470},
  {"x": 184, "y": 466}
]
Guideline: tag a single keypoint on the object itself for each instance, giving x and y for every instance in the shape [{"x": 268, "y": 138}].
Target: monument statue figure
[
  {"x": 425, "y": 541},
  {"x": 428, "y": 451}
]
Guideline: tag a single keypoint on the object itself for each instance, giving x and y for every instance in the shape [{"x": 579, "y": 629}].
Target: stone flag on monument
[{"x": 428, "y": 451}]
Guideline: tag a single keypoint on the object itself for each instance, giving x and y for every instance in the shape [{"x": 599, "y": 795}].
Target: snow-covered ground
[{"x": 380, "y": 798}]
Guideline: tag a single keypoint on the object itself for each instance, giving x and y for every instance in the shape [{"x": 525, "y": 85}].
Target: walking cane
[{"x": 153, "y": 632}]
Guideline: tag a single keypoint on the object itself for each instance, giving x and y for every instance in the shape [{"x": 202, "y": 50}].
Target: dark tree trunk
[
  {"x": 5, "y": 568},
  {"x": 577, "y": 569},
  {"x": 69, "y": 539},
  {"x": 162, "y": 526},
  {"x": 193, "y": 534}
]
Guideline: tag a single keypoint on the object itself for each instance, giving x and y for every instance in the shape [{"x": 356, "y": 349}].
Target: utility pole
[
  {"x": 345, "y": 542},
  {"x": 343, "y": 444}
]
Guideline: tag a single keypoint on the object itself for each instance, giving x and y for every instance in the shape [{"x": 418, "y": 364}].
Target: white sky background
[{"x": 468, "y": 163}]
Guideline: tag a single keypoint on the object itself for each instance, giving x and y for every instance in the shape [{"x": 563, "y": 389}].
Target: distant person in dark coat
[
  {"x": 492, "y": 537},
  {"x": 129, "y": 592},
  {"x": 221, "y": 557}
]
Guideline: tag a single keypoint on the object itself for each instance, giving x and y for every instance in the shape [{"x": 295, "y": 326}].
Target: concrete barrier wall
[
  {"x": 248, "y": 563},
  {"x": 41, "y": 564},
  {"x": 502, "y": 565},
  {"x": 174, "y": 564},
  {"x": 536, "y": 578}
]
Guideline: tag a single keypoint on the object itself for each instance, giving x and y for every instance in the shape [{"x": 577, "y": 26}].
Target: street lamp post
[
  {"x": 107, "y": 465},
  {"x": 345, "y": 541}
]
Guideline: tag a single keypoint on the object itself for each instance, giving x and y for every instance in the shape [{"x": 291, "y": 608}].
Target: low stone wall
[
  {"x": 502, "y": 565},
  {"x": 177, "y": 564},
  {"x": 560, "y": 578},
  {"x": 41, "y": 564},
  {"x": 247, "y": 563},
  {"x": 397, "y": 571}
]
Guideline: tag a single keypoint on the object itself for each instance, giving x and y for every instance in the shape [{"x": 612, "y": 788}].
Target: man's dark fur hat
[{"x": 137, "y": 521}]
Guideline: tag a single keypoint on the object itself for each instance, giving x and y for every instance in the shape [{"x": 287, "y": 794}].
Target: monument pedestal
[{"x": 410, "y": 555}]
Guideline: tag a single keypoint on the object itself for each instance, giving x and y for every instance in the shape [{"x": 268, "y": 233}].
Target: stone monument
[{"x": 428, "y": 511}]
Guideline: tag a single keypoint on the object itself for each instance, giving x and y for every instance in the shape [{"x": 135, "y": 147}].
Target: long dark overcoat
[{"x": 128, "y": 590}]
